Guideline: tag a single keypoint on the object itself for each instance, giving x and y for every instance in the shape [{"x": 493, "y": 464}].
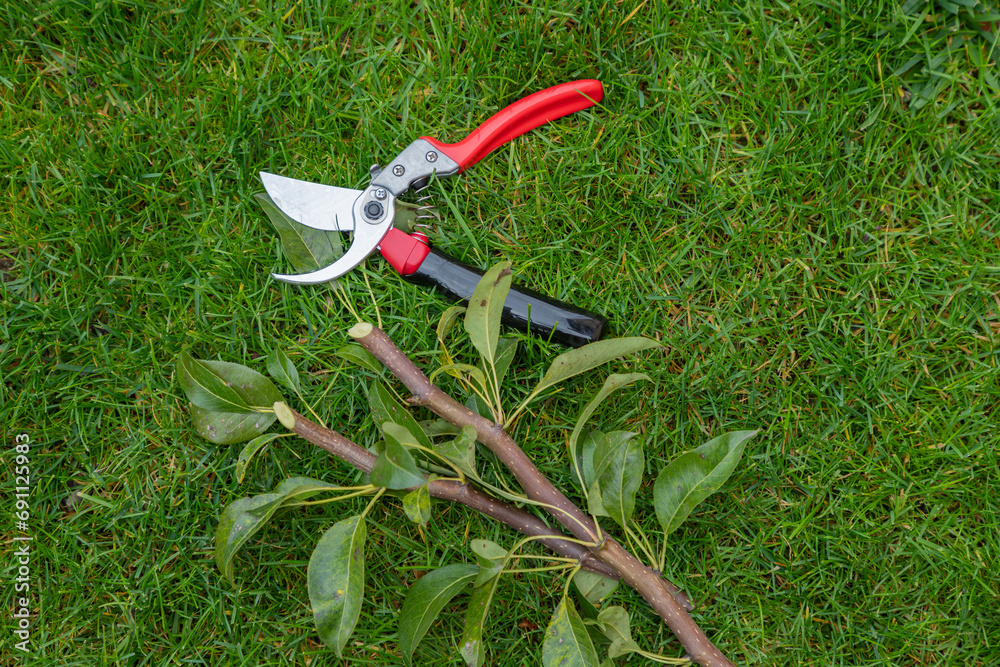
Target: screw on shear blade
[{"x": 373, "y": 210}]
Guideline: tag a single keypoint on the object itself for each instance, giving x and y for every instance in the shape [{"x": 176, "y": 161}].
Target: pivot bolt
[
  {"x": 380, "y": 193},
  {"x": 432, "y": 156},
  {"x": 373, "y": 210},
  {"x": 398, "y": 170}
]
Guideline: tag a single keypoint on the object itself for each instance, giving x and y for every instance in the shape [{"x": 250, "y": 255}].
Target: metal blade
[
  {"x": 314, "y": 205},
  {"x": 366, "y": 240}
]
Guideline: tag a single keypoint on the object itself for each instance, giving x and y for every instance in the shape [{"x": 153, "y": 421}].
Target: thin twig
[{"x": 455, "y": 491}]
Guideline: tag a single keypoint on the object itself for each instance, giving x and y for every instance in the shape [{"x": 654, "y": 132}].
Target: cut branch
[
  {"x": 653, "y": 588},
  {"x": 455, "y": 491}
]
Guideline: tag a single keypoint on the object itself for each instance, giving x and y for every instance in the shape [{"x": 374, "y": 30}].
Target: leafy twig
[
  {"x": 641, "y": 578},
  {"x": 446, "y": 489}
]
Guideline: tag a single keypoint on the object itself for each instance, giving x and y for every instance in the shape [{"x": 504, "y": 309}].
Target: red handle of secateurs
[{"x": 520, "y": 117}]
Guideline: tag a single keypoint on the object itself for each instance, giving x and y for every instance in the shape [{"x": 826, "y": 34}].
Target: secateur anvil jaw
[{"x": 370, "y": 214}]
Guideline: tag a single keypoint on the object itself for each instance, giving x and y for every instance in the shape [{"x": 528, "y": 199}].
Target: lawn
[{"x": 762, "y": 190}]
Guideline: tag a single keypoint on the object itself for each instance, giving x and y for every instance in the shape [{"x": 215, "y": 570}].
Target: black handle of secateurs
[{"x": 523, "y": 310}]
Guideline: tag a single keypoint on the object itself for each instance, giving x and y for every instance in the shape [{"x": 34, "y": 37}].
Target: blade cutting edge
[{"x": 315, "y": 205}]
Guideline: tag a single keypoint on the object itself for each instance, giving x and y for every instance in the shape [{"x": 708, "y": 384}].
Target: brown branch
[
  {"x": 649, "y": 584},
  {"x": 455, "y": 491}
]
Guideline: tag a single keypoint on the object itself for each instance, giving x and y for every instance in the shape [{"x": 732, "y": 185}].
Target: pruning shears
[{"x": 370, "y": 214}]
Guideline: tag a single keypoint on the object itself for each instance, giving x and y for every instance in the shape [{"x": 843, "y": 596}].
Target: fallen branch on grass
[{"x": 231, "y": 403}]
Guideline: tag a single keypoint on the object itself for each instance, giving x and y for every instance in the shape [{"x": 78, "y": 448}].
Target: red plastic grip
[
  {"x": 520, "y": 117},
  {"x": 404, "y": 252}
]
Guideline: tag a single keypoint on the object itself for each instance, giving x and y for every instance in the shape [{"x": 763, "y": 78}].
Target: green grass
[{"x": 820, "y": 260}]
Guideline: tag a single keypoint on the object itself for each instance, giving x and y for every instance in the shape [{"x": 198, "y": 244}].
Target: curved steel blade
[
  {"x": 314, "y": 205},
  {"x": 329, "y": 208},
  {"x": 366, "y": 240}
]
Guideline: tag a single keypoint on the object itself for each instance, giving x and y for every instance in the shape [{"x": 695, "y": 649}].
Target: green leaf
[
  {"x": 461, "y": 451},
  {"x": 471, "y": 647},
  {"x": 591, "y": 472},
  {"x": 619, "y": 461},
  {"x": 358, "y": 355},
  {"x": 406, "y": 216},
  {"x": 385, "y": 408},
  {"x": 306, "y": 249},
  {"x": 614, "y": 382},
  {"x": 283, "y": 370},
  {"x": 250, "y": 451},
  {"x": 582, "y": 359},
  {"x": 479, "y": 406},
  {"x": 694, "y": 476},
  {"x": 427, "y": 598},
  {"x": 444, "y": 327},
  {"x": 567, "y": 643},
  {"x": 437, "y": 427},
  {"x": 594, "y": 587},
  {"x": 295, "y": 490},
  {"x": 394, "y": 468},
  {"x": 237, "y": 525},
  {"x": 587, "y": 448},
  {"x": 417, "y": 505},
  {"x": 299, "y": 484},
  {"x": 224, "y": 387},
  {"x": 456, "y": 370},
  {"x": 337, "y": 581},
  {"x": 588, "y": 612},
  {"x": 615, "y": 624},
  {"x": 506, "y": 351},
  {"x": 482, "y": 316},
  {"x": 229, "y": 428},
  {"x": 490, "y": 557},
  {"x": 448, "y": 320},
  {"x": 246, "y": 516}
]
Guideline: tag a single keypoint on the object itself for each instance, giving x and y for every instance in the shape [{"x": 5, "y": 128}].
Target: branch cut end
[
  {"x": 285, "y": 415},
  {"x": 360, "y": 330}
]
